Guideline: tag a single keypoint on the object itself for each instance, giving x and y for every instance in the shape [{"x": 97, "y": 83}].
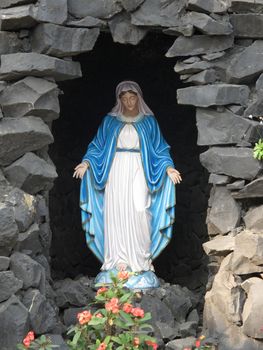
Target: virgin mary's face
[{"x": 129, "y": 102}]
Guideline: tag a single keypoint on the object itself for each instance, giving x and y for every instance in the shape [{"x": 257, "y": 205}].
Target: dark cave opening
[{"x": 84, "y": 102}]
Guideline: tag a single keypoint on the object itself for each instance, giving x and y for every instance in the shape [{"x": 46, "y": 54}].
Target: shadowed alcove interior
[{"x": 84, "y": 102}]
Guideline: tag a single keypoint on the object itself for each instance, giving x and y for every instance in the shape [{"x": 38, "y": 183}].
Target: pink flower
[
  {"x": 102, "y": 290},
  {"x": 197, "y": 343},
  {"x": 112, "y": 305},
  {"x": 84, "y": 317},
  {"x": 136, "y": 341},
  {"x": 99, "y": 315},
  {"x": 123, "y": 275},
  {"x": 102, "y": 346},
  {"x": 28, "y": 338},
  {"x": 127, "y": 307},
  {"x": 137, "y": 312}
]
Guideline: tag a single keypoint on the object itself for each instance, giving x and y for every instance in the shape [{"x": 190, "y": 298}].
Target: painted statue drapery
[{"x": 155, "y": 159}]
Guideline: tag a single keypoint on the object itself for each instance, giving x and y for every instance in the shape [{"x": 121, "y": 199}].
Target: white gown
[{"x": 127, "y": 220}]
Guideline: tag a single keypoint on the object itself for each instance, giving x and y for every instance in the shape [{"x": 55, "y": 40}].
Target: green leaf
[
  {"x": 76, "y": 338},
  {"x": 116, "y": 340},
  {"x": 97, "y": 321},
  {"x": 146, "y": 317},
  {"x": 125, "y": 297},
  {"x": 128, "y": 320}
]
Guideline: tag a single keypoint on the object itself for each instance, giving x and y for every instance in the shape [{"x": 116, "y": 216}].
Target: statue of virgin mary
[{"x": 127, "y": 192}]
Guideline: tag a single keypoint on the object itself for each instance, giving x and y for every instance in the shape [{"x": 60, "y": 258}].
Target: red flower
[
  {"x": 99, "y": 315},
  {"x": 102, "y": 290},
  {"x": 112, "y": 305},
  {"x": 152, "y": 344},
  {"x": 137, "y": 312},
  {"x": 136, "y": 341},
  {"x": 84, "y": 317},
  {"x": 127, "y": 307},
  {"x": 197, "y": 343},
  {"x": 123, "y": 275},
  {"x": 102, "y": 346}
]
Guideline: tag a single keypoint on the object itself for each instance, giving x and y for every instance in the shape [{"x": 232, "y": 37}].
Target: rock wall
[{"x": 220, "y": 49}]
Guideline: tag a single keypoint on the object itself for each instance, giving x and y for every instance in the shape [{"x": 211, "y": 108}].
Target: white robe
[{"x": 127, "y": 220}]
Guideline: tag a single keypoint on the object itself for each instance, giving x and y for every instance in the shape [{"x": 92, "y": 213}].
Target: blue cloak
[{"x": 155, "y": 157}]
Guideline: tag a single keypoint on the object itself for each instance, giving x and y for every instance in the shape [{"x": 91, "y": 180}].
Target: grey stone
[
  {"x": 236, "y": 162},
  {"x": 31, "y": 173},
  {"x": 215, "y": 6},
  {"x": 14, "y": 320},
  {"x": 255, "y": 106},
  {"x": 9, "y": 284},
  {"x": 250, "y": 245},
  {"x": 254, "y": 219},
  {"x": 51, "y": 11},
  {"x": 223, "y": 311},
  {"x": 213, "y": 94},
  {"x": 179, "y": 344},
  {"x": 179, "y": 303},
  {"x": 42, "y": 314},
  {"x": 4, "y": 263},
  {"x": 259, "y": 82},
  {"x": 124, "y": 32},
  {"x": 158, "y": 13},
  {"x": 185, "y": 29},
  {"x": 220, "y": 245},
  {"x": 213, "y": 56},
  {"x": 10, "y": 3},
  {"x": 72, "y": 292},
  {"x": 188, "y": 329},
  {"x": 59, "y": 41},
  {"x": 205, "y": 77},
  {"x": 248, "y": 64},
  {"x": 42, "y": 260},
  {"x": 87, "y": 21},
  {"x": 31, "y": 96},
  {"x": 252, "y": 190},
  {"x": 218, "y": 179},
  {"x": 16, "y": 65},
  {"x": 17, "y": 17},
  {"x": 18, "y": 136},
  {"x": 236, "y": 185},
  {"x": 189, "y": 68},
  {"x": 251, "y": 315},
  {"x": 9, "y": 42},
  {"x": 8, "y": 230},
  {"x": 28, "y": 241},
  {"x": 208, "y": 25},
  {"x": 193, "y": 316},
  {"x": 57, "y": 339},
  {"x": 242, "y": 265},
  {"x": 224, "y": 214},
  {"x": 24, "y": 208},
  {"x": 221, "y": 127},
  {"x": 247, "y": 25},
  {"x": 199, "y": 45},
  {"x": 94, "y": 8},
  {"x": 247, "y": 6},
  {"x": 131, "y": 5},
  {"x": 27, "y": 270},
  {"x": 166, "y": 331},
  {"x": 160, "y": 311},
  {"x": 236, "y": 109}
]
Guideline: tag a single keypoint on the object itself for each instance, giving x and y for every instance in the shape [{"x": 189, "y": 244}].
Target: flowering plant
[
  {"x": 118, "y": 324},
  {"x": 30, "y": 342},
  {"x": 258, "y": 150},
  {"x": 199, "y": 345}
]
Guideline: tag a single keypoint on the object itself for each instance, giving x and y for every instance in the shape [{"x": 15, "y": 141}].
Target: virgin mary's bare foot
[{"x": 121, "y": 266}]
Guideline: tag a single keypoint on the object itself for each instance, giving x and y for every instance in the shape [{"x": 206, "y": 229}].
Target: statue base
[{"x": 139, "y": 281}]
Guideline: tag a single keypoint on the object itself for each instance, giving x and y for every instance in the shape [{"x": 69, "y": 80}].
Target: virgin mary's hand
[
  {"x": 174, "y": 175},
  {"x": 80, "y": 170}
]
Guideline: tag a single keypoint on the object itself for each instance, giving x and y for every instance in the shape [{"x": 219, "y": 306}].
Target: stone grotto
[{"x": 200, "y": 66}]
